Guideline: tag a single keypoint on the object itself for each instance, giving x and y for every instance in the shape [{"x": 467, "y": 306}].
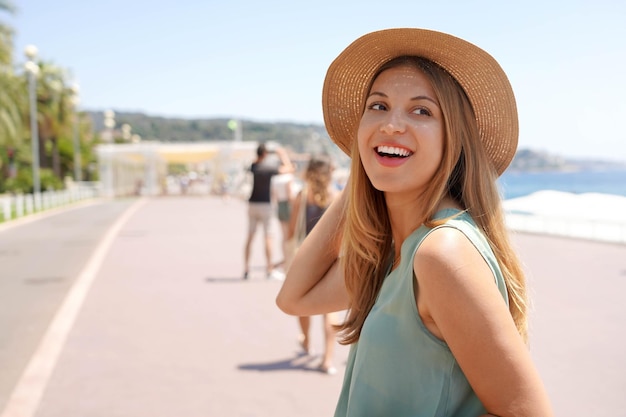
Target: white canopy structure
[{"x": 132, "y": 168}]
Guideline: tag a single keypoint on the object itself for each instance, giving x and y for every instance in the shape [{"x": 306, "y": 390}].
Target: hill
[
  {"x": 299, "y": 137},
  {"x": 302, "y": 138},
  {"x": 528, "y": 160}
]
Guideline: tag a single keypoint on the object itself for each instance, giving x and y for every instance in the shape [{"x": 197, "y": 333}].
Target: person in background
[
  {"x": 260, "y": 209},
  {"x": 416, "y": 247},
  {"x": 282, "y": 189},
  {"x": 317, "y": 193}
]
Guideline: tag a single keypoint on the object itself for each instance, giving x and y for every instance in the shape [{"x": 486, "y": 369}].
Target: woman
[
  {"x": 317, "y": 194},
  {"x": 416, "y": 247}
]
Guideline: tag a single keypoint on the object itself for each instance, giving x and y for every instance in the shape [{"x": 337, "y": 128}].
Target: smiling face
[{"x": 401, "y": 133}]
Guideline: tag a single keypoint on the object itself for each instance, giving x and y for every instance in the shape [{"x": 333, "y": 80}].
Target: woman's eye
[
  {"x": 377, "y": 106},
  {"x": 422, "y": 111}
]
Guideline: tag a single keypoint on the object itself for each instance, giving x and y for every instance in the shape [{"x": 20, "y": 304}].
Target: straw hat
[{"x": 485, "y": 83}]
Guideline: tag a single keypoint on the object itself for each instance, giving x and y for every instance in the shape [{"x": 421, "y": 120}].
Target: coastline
[{"x": 593, "y": 216}]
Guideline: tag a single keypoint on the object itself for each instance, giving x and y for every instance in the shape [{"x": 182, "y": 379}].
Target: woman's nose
[{"x": 393, "y": 123}]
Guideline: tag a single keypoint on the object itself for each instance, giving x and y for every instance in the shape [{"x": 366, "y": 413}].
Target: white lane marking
[{"x": 27, "y": 394}]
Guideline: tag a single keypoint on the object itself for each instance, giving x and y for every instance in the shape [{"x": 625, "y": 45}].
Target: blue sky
[{"x": 266, "y": 61}]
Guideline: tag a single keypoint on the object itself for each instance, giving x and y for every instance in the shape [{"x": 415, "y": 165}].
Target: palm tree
[
  {"x": 11, "y": 100},
  {"x": 54, "y": 112},
  {"x": 10, "y": 94},
  {"x": 54, "y": 106},
  {"x": 6, "y": 34}
]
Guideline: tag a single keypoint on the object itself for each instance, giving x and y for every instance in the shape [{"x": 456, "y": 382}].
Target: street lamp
[
  {"x": 236, "y": 127},
  {"x": 77, "y": 157},
  {"x": 32, "y": 69},
  {"x": 109, "y": 123},
  {"x": 126, "y": 132}
]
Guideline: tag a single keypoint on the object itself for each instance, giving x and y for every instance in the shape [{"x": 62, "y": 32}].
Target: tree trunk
[
  {"x": 43, "y": 161},
  {"x": 56, "y": 160}
]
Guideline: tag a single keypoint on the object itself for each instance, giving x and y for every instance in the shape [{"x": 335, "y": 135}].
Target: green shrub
[{"x": 23, "y": 181}]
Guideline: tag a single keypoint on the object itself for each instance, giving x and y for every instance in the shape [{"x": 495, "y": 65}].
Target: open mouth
[{"x": 393, "y": 152}]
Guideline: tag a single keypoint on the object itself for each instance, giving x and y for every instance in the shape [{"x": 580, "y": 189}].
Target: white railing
[
  {"x": 592, "y": 229},
  {"x": 20, "y": 205}
]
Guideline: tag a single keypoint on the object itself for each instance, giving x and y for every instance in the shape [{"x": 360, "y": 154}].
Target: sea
[{"x": 519, "y": 184}]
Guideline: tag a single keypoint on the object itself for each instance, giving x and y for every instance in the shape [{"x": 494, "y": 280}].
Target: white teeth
[{"x": 392, "y": 150}]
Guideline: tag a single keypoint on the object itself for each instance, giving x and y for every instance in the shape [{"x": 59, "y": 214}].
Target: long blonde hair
[
  {"x": 465, "y": 174},
  {"x": 318, "y": 176}
]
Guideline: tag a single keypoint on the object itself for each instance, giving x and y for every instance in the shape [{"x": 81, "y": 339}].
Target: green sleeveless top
[{"x": 398, "y": 368}]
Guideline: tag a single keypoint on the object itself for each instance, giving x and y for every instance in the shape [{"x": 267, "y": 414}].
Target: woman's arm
[
  {"x": 460, "y": 303},
  {"x": 286, "y": 165},
  {"x": 314, "y": 282}
]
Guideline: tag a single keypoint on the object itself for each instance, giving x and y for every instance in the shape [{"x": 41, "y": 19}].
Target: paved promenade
[{"x": 163, "y": 325}]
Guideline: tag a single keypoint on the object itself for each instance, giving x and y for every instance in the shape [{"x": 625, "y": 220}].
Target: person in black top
[{"x": 259, "y": 204}]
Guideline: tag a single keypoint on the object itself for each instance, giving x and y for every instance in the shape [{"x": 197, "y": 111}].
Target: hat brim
[{"x": 486, "y": 85}]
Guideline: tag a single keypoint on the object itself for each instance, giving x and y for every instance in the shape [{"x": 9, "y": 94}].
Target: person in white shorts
[{"x": 260, "y": 209}]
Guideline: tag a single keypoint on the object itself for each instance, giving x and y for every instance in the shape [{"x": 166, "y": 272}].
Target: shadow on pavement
[
  {"x": 301, "y": 362},
  {"x": 224, "y": 279}
]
